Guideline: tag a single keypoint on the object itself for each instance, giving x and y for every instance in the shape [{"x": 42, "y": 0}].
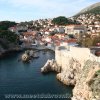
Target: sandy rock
[
  {"x": 25, "y": 57},
  {"x": 66, "y": 82},
  {"x": 50, "y": 66}
]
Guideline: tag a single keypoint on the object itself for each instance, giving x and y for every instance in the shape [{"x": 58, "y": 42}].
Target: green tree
[
  {"x": 4, "y": 25},
  {"x": 96, "y": 40},
  {"x": 9, "y": 36},
  {"x": 61, "y": 20},
  {"x": 5, "y": 34},
  {"x": 87, "y": 41}
]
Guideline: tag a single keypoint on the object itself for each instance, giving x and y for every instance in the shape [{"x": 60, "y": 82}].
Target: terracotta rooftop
[{"x": 29, "y": 33}]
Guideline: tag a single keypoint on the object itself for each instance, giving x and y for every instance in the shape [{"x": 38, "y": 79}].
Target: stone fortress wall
[
  {"x": 79, "y": 67},
  {"x": 81, "y": 54}
]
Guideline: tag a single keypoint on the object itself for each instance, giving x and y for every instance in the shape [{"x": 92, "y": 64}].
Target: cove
[{"x": 26, "y": 78}]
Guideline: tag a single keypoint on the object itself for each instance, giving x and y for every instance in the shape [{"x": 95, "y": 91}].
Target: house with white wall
[{"x": 75, "y": 29}]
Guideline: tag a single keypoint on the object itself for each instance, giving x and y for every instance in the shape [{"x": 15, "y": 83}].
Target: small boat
[{"x": 36, "y": 57}]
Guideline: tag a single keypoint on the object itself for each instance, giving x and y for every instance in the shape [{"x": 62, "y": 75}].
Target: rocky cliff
[
  {"x": 6, "y": 47},
  {"x": 77, "y": 67},
  {"x": 87, "y": 86}
]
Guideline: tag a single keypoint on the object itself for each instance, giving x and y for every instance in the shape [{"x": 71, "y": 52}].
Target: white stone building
[{"x": 73, "y": 29}]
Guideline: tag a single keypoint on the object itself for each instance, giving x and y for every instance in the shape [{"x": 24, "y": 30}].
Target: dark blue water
[{"x": 26, "y": 78}]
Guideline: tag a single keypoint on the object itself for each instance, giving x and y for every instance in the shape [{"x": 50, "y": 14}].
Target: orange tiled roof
[
  {"x": 29, "y": 33},
  {"x": 70, "y": 41}
]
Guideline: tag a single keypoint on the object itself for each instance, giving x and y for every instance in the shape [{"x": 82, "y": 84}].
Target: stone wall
[
  {"x": 81, "y": 54},
  {"x": 78, "y": 67}
]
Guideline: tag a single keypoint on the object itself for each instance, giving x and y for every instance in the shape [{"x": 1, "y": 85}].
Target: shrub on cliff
[
  {"x": 95, "y": 85},
  {"x": 4, "y": 43},
  {"x": 98, "y": 72}
]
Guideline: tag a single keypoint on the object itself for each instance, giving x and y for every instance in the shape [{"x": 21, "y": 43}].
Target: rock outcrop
[
  {"x": 50, "y": 65},
  {"x": 69, "y": 76},
  {"x": 25, "y": 58},
  {"x": 77, "y": 67}
]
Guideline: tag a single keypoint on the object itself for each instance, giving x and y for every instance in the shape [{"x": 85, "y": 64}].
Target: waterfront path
[{"x": 40, "y": 47}]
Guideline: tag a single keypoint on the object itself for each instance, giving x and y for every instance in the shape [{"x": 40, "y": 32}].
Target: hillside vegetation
[
  {"x": 7, "y": 37},
  {"x": 61, "y": 20},
  {"x": 93, "y": 9},
  {"x": 5, "y": 33}
]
